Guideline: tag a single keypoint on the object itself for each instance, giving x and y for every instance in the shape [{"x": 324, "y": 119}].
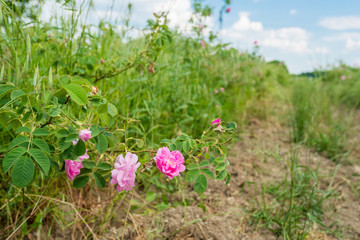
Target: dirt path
[{"x": 257, "y": 158}]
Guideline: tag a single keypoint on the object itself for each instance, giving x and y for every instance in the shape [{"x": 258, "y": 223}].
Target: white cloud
[
  {"x": 341, "y": 23},
  {"x": 324, "y": 50},
  {"x": 245, "y": 31},
  {"x": 293, "y": 11}
]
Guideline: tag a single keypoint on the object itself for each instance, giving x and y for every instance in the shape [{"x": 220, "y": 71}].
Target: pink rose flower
[
  {"x": 85, "y": 156},
  {"x": 72, "y": 168},
  {"x": 102, "y": 61},
  {"x": 222, "y": 89},
  {"x": 343, "y": 77},
  {"x": 203, "y": 44},
  {"x": 124, "y": 172},
  {"x": 75, "y": 141},
  {"x": 228, "y": 9},
  {"x": 216, "y": 91},
  {"x": 255, "y": 42},
  {"x": 85, "y": 134},
  {"x": 169, "y": 163},
  {"x": 216, "y": 121}
]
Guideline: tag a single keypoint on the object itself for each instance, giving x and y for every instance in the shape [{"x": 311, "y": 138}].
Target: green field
[{"x": 284, "y": 163}]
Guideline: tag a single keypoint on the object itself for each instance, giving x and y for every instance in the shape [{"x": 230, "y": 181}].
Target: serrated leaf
[
  {"x": 62, "y": 133},
  {"x": 103, "y": 166},
  {"x": 77, "y": 93},
  {"x": 81, "y": 181},
  {"x": 186, "y": 146},
  {"x": 23, "y": 129},
  {"x": 5, "y": 88},
  {"x": 23, "y": 172},
  {"x": 94, "y": 130},
  {"x": 192, "y": 175},
  {"x": 11, "y": 157},
  {"x": 228, "y": 178},
  {"x": 221, "y": 175},
  {"x": 208, "y": 172},
  {"x": 167, "y": 141},
  {"x": 172, "y": 147},
  {"x": 192, "y": 166},
  {"x": 102, "y": 143},
  {"x": 220, "y": 167},
  {"x": 16, "y": 94},
  {"x": 112, "y": 110},
  {"x": 79, "y": 148},
  {"x": 219, "y": 160},
  {"x": 88, "y": 164},
  {"x": 41, "y": 144},
  {"x": 200, "y": 184},
  {"x": 55, "y": 111},
  {"x": 41, "y": 132},
  {"x": 99, "y": 180},
  {"x": 150, "y": 196},
  {"x": 204, "y": 163},
  {"x": 41, "y": 159},
  {"x": 71, "y": 137},
  {"x": 17, "y": 141}
]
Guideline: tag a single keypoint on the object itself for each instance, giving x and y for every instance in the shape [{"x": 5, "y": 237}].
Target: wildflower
[
  {"x": 85, "y": 134},
  {"x": 203, "y": 44},
  {"x": 222, "y": 89},
  {"x": 255, "y": 42},
  {"x": 169, "y": 163},
  {"x": 102, "y": 61},
  {"x": 94, "y": 90},
  {"x": 124, "y": 172},
  {"x": 216, "y": 121},
  {"x": 75, "y": 141},
  {"x": 216, "y": 91},
  {"x": 72, "y": 168},
  {"x": 85, "y": 156},
  {"x": 228, "y": 9},
  {"x": 343, "y": 77}
]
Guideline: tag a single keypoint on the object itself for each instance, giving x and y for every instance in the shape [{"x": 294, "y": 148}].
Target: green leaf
[
  {"x": 112, "y": 110},
  {"x": 204, "y": 163},
  {"x": 55, "y": 111},
  {"x": 80, "y": 148},
  {"x": 220, "y": 167},
  {"x": 16, "y": 94},
  {"x": 102, "y": 143},
  {"x": 62, "y": 133},
  {"x": 186, "y": 146},
  {"x": 23, "y": 172},
  {"x": 94, "y": 131},
  {"x": 221, "y": 175},
  {"x": 208, "y": 172},
  {"x": 17, "y": 141},
  {"x": 212, "y": 159},
  {"x": 167, "y": 141},
  {"x": 228, "y": 178},
  {"x": 192, "y": 166},
  {"x": 192, "y": 175},
  {"x": 200, "y": 184},
  {"x": 150, "y": 196},
  {"x": 42, "y": 160},
  {"x": 219, "y": 160},
  {"x": 11, "y": 157},
  {"x": 99, "y": 180},
  {"x": 41, "y": 132},
  {"x": 88, "y": 164},
  {"x": 41, "y": 144},
  {"x": 172, "y": 147},
  {"x": 5, "y": 88},
  {"x": 77, "y": 93},
  {"x": 81, "y": 181},
  {"x": 103, "y": 166},
  {"x": 23, "y": 129},
  {"x": 71, "y": 137}
]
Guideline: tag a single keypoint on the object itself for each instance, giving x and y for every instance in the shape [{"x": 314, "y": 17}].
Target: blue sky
[{"x": 306, "y": 34}]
